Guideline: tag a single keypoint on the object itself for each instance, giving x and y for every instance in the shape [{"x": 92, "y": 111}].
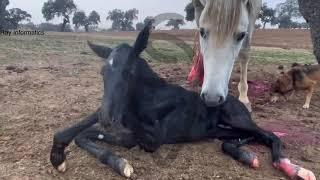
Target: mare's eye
[
  {"x": 240, "y": 36},
  {"x": 203, "y": 33}
]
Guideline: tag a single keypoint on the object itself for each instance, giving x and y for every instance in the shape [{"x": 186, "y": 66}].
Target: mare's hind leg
[
  {"x": 86, "y": 140},
  {"x": 243, "y": 84},
  {"x": 63, "y": 138}
]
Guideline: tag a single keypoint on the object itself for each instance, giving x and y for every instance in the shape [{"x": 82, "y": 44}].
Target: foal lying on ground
[{"x": 140, "y": 108}]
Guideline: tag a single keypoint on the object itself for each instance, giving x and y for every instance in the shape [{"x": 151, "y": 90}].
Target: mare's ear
[
  {"x": 142, "y": 40},
  {"x": 101, "y": 51}
]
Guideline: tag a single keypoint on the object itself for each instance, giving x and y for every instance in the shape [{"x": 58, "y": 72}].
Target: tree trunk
[
  {"x": 64, "y": 24},
  {"x": 264, "y": 25},
  {"x": 310, "y": 10},
  {"x": 86, "y": 27}
]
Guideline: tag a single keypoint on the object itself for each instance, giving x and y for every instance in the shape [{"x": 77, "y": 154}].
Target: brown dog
[{"x": 299, "y": 77}]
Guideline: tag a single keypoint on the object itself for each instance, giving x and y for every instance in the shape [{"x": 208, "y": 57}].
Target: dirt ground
[
  {"x": 282, "y": 38},
  {"x": 42, "y": 98}
]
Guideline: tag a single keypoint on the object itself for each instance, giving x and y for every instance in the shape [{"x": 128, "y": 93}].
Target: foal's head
[
  {"x": 224, "y": 27},
  {"x": 119, "y": 73}
]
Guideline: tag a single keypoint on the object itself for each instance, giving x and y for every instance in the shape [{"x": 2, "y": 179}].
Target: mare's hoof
[
  {"x": 125, "y": 168},
  {"x": 306, "y": 106}
]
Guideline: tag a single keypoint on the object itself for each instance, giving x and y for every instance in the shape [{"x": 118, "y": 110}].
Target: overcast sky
[{"x": 145, "y": 7}]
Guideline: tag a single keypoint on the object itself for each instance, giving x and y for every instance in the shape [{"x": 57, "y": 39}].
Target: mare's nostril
[
  {"x": 203, "y": 96},
  {"x": 221, "y": 100}
]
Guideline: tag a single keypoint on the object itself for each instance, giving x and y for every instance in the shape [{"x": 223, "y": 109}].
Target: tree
[
  {"x": 267, "y": 15},
  {"x": 123, "y": 20},
  {"x": 175, "y": 23},
  {"x": 139, "y": 26},
  {"x": 310, "y": 10},
  {"x": 257, "y": 26},
  {"x": 189, "y": 9},
  {"x": 285, "y": 21},
  {"x": 10, "y": 19},
  {"x": 127, "y": 22},
  {"x": 15, "y": 16},
  {"x": 59, "y": 8},
  {"x": 289, "y": 8},
  {"x": 28, "y": 26},
  {"x": 116, "y": 16},
  {"x": 80, "y": 19},
  {"x": 3, "y": 13},
  {"x": 94, "y": 19}
]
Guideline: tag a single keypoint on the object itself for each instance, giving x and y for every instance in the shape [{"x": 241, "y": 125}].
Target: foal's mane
[{"x": 223, "y": 23}]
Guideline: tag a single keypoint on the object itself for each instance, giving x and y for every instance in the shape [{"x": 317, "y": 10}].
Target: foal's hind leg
[
  {"x": 86, "y": 140},
  {"x": 243, "y": 84},
  {"x": 63, "y": 138},
  {"x": 272, "y": 141},
  {"x": 232, "y": 141},
  {"x": 232, "y": 148},
  {"x": 279, "y": 161}
]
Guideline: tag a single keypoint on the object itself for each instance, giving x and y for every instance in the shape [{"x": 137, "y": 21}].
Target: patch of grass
[
  {"x": 19, "y": 48},
  {"x": 279, "y": 56}
]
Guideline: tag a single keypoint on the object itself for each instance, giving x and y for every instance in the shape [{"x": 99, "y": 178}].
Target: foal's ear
[
  {"x": 142, "y": 40},
  {"x": 101, "y": 51}
]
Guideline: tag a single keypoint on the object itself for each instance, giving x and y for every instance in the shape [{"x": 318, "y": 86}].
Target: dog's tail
[{"x": 101, "y": 51}]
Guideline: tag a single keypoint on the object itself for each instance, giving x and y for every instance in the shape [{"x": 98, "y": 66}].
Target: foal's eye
[
  {"x": 203, "y": 33},
  {"x": 240, "y": 36}
]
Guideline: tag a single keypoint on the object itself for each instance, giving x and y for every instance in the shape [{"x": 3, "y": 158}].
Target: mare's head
[
  {"x": 119, "y": 74},
  {"x": 225, "y": 26}
]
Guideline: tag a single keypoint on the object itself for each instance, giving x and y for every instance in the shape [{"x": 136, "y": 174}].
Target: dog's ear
[
  {"x": 297, "y": 74},
  {"x": 101, "y": 51},
  {"x": 142, "y": 39},
  {"x": 281, "y": 69}
]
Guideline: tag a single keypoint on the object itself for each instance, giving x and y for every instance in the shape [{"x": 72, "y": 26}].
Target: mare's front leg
[
  {"x": 63, "y": 138},
  {"x": 243, "y": 84},
  {"x": 86, "y": 140}
]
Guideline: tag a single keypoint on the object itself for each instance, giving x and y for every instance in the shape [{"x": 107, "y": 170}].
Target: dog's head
[{"x": 286, "y": 82}]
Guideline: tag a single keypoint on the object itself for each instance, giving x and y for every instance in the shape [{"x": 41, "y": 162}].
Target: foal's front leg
[
  {"x": 86, "y": 140},
  {"x": 63, "y": 138}
]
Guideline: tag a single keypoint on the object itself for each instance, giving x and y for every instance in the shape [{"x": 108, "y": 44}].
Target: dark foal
[{"x": 140, "y": 108}]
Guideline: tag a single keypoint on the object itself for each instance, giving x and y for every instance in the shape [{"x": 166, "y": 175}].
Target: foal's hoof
[
  {"x": 294, "y": 171},
  {"x": 62, "y": 167},
  {"x": 249, "y": 159},
  {"x": 305, "y": 174},
  {"x": 125, "y": 168},
  {"x": 57, "y": 158}
]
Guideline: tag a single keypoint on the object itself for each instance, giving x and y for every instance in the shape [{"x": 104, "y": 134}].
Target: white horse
[{"x": 226, "y": 27}]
